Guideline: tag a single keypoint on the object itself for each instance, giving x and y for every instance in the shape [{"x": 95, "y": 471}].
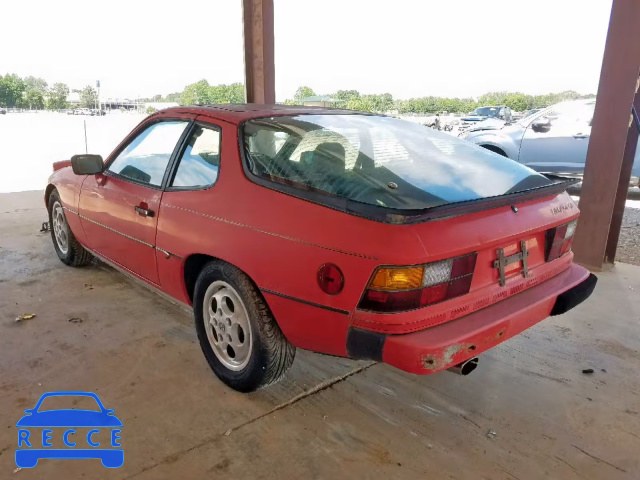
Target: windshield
[
  {"x": 380, "y": 161},
  {"x": 486, "y": 111}
]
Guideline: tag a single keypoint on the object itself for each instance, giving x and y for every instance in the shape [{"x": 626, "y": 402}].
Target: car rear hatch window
[{"x": 377, "y": 161}]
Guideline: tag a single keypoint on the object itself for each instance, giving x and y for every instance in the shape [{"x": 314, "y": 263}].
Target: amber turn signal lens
[
  {"x": 399, "y": 289},
  {"x": 397, "y": 278}
]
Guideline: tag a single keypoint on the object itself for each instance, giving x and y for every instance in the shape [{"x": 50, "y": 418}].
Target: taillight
[
  {"x": 396, "y": 289},
  {"x": 559, "y": 239}
]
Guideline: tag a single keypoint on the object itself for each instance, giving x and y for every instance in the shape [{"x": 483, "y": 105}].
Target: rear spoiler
[{"x": 559, "y": 185}]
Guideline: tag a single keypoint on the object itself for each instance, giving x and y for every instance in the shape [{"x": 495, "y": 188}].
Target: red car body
[{"x": 280, "y": 241}]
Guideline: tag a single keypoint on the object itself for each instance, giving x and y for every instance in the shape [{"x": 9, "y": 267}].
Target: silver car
[{"x": 553, "y": 140}]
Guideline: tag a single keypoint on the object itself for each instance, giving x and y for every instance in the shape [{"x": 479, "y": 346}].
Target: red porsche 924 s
[{"x": 345, "y": 233}]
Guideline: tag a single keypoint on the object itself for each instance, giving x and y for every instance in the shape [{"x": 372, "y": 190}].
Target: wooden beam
[
  {"x": 610, "y": 127},
  {"x": 623, "y": 185},
  {"x": 259, "y": 63}
]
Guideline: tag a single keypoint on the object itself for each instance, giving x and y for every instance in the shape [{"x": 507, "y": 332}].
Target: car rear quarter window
[
  {"x": 379, "y": 161},
  {"x": 200, "y": 161},
  {"x": 145, "y": 159}
]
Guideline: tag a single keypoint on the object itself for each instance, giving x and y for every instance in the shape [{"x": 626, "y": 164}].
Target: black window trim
[
  {"x": 384, "y": 214},
  {"x": 174, "y": 163},
  {"x": 141, "y": 128}
]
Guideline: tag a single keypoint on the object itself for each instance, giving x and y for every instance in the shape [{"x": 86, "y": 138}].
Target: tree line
[
  {"x": 201, "y": 93},
  {"x": 354, "y": 100},
  {"x": 34, "y": 93}
]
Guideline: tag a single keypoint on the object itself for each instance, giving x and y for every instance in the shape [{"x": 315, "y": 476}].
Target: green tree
[
  {"x": 33, "y": 99},
  {"x": 12, "y": 88},
  {"x": 88, "y": 97},
  {"x": 345, "y": 95},
  {"x": 196, "y": 94},
  {"x": 515, "y": 100},
  {"x": 233, "y": 93},
  {"x": 151, "y": 110},
  {"x": 173, "y": 97},
  {"x": 34, "y": 83},
  {"x": 302, "y": 93},
  {"x": 57, "y": 98},
  {"x": 369, "y": 103},
  {"x": 236, "y": 93}
]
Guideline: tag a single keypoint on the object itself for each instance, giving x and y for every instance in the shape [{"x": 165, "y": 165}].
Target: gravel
[{"x": 629, "y": 243}]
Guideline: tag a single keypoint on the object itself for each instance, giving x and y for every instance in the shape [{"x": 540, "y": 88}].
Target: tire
[
  {"x": 69, "y": 251},
  {"x": 259, "y": 352}
]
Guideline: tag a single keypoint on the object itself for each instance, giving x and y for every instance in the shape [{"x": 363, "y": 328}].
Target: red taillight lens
[
  {"x": 440, "y": 281},
  {"x": 330, "y": 279},
  {"x": 390, "y": 301},
  {"x": 559, "y": 239}
]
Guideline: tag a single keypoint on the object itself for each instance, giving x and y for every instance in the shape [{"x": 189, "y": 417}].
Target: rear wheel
[
  {"x": 237, "y": 332},
  {"x": 69, "y": 251}
]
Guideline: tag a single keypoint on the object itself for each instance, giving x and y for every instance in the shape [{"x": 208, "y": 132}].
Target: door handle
[{"x": 145, "y": 212}]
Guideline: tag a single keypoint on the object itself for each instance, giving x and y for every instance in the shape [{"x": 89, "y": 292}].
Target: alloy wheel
[
  {"x": 60, "y": 227},
  {"x": 227, "y": 325}
]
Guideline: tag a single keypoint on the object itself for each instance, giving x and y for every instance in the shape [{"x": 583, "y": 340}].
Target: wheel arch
[
  {"x": 47, "y": 192},
  {"x": 193, "y": 265},
  {"x": 494, "y": 149}
]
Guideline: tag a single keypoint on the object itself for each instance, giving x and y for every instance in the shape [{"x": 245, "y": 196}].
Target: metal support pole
[
  {"x": 603, "y": 174},
  {"x": 259, "y": 77}
]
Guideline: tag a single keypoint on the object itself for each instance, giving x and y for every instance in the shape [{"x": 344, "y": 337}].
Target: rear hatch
[
  {"x": 466, "y": 207},
  {"x": 472, "y": 261}
]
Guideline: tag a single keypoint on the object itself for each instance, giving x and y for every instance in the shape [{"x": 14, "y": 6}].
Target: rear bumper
[{"x": 443, "y": 346}]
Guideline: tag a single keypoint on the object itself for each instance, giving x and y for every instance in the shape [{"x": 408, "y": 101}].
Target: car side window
[
  {"x": 146, "y": 158},
  {"x": 571, "y": 118},
  {"x": 199, "y": 164}
]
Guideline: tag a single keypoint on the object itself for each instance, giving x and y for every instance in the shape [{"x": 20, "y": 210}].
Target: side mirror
[
  {"x": 541, "y": 125},
  {"x": 87, "y": 164}
]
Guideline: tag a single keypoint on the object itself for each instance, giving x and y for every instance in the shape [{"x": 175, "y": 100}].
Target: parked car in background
[
  {"x": 530, "y": 112},
  {"x": 501, "y": 113},
  {"x": 3, "y": 111},
  {"x": 553, "y": 140},
  {"x": 345, "y": 233}
]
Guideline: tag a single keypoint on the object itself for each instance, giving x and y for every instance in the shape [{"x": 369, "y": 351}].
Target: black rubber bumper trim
[
  {"x": 574, "y": 296},
  {"x": 365, "y": 345}
]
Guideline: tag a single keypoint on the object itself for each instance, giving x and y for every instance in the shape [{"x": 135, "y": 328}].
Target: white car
[{"x": 553, "y": 140}]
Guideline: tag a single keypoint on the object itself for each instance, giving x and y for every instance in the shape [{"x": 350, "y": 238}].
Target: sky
[{"x": 409, "y": 48}]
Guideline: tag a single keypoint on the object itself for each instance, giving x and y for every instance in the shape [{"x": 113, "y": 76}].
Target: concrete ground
[{"x": 528, "y": 412}]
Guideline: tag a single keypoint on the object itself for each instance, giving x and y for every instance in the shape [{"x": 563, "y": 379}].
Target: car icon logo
[{"x": 83, "y": 433}]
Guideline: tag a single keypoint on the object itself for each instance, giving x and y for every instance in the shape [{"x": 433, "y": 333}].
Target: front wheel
[
  {"x": 238, "y": 335},
  {"x": 69, "y": 251}
]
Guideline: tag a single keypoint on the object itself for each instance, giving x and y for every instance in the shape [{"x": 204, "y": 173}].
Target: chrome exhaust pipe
[{"x": 466, "y": 367}]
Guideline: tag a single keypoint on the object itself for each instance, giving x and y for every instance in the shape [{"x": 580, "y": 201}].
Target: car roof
[{"x": 237, "y": 113}]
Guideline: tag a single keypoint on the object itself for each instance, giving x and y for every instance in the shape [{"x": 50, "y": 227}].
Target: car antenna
[{"x": 86, "y": 149}]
